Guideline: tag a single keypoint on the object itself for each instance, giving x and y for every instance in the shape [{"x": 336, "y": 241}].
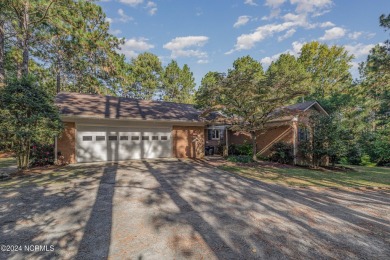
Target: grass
[
  {"x": 7, "y": 162},
  {"x": 360, "y": 176}
]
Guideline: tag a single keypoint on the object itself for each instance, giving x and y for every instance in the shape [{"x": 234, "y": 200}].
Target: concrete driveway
[{"x": 170, "y": 209}]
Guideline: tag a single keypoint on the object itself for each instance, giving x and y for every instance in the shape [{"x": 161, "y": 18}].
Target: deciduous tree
[{"x": 251, "y": 98}]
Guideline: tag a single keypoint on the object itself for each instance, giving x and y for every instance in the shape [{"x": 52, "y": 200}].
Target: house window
[
  {"x": 303, "y": 134},
  {"x": 124, "y": 138},
  {"x": 164, "y": 138},
  {"x": 113, "y": 138},
  {"x": 100, "y": 138},
  {"x": 214, "y": 134},
  {"x": 154, "y": 137},
  {"x": 87, "y": 138},
  {"x": 134, "y": 138},
  {"x": 145, "y": 138}
]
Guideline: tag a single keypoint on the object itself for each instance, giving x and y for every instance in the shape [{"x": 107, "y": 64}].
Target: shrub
[
  {"x": 354, "y": 155},
  {"x": 366, "y": 160},
  {"x": 241, "y": 149},
  {"x": 262, "y": 157},
  {"x": 240, "y": 158},
  {"x": 245, "y": 149},
  {"x": 282, "y": 152},
  {"x": 41, "y": 155}
]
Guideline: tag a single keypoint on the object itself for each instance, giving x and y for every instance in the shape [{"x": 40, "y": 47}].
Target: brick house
[
  {"x": 291, "y": 128},
  {"x": 104, "y": 128}
]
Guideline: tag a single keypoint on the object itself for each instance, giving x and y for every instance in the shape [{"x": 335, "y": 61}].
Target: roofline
[
  {"x": 73, "y": 117},
  {"x": 128, "y": 98},
  {"x": 318, "y": 105}
]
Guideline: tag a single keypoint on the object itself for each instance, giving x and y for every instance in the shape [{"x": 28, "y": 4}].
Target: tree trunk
[
  {"x": 58, "y": 82},
  {"x": 2, "y": 53},
  {"x": 28, "y": 153},
  {"x": 254, "y": 145},
  {"x": 25, "y": 41}
]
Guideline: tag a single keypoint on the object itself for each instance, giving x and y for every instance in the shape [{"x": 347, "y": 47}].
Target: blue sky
[{"x": 209, "y": 35}]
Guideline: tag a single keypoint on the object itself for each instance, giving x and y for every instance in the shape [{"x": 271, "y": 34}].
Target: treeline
[
  {"x": 357, "y": 130},
  {"x": 67, "y": 46}
]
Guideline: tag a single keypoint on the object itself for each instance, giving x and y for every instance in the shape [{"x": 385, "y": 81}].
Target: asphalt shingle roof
[{"x": 96, "y": 106}]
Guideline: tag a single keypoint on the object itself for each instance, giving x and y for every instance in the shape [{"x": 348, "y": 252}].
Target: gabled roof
[
  {"x": 304, "y": 106},
  {"x": 108, "y": 107},
  {"x": 96, "y": 106}
]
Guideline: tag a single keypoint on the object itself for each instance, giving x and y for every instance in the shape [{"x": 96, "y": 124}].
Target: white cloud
[
  {"x": 326, "y": 24},
  {"x": 188, "y": 46},
  {"x": 123, "y": 17},
  {"x": 274, "y": 13},
  {"x": 296, "y": 49},
  {"x": 133, "y": 46},
  {"x": 132, "y": 2},
  {"x": 359, "y": 50},
  {"x": 297, "y": 19},
  {"x": 202, "y": 61},
  {"x": 355, "y": 35},
  {"x": 288, "y": 34},
  {"x": 152, "y": 7},
  {"x": 274, "y": 3},
  {"x": 248, "y": 41},
  {"x": 309, "y": 6},
  {"x": 333, "y": 34},
  {"x": 115, "y": 32},
  {"x": 301, "y": 17},
  {"x": 109, "y": 20},
  {"x": 250, "y": 2},
  {"x": 242, "y": 20}
]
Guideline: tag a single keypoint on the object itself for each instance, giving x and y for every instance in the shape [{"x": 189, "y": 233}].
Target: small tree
[
  {"x": 327, "y": 139},
  {"x": 30, "y": 117}
]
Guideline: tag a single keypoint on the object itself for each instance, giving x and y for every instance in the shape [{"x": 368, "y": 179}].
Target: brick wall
[
  {"x": 270, "y": 135},
  {"x": 66, "y": 143},
  {"x": 188, "y": 141},
  {"x": 262, "y": 139}
]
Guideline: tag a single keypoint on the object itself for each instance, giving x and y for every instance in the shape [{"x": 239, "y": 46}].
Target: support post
[
  {"x": 295, "y": 148},
  {"x": 55, "y": 150}
]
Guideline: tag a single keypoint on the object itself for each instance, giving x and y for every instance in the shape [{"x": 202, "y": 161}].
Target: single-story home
[{"x": 105, "y": 128}]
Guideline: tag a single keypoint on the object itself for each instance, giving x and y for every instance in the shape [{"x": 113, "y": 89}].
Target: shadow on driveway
[{"x": 170, "y": 209}]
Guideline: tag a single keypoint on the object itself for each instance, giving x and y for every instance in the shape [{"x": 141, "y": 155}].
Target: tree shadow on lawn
[
  {"x": 55, "y": 210},
  {"x": 243, "y": 218},
  {"x": 300, "y": 176}
]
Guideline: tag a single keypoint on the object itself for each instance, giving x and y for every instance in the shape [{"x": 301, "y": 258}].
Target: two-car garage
[
  {"x": 104, "y": 128},
  {"x": 103, "y": 143}
]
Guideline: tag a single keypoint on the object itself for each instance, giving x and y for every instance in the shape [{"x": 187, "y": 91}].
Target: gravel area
[{"x": 174, "y": 209}]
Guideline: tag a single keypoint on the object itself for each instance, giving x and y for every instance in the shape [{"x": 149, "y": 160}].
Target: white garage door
[{"x": 97, "y": 143}]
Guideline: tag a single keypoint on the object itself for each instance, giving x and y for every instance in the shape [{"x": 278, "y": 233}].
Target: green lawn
[
  {"x": 7, "y": 162},
  {"x": 360, "y": 176}
]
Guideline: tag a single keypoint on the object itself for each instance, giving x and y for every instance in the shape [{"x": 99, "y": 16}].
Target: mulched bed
[
  {"x": 6, "y": 155},
  {"x": 35, "y": 170}
]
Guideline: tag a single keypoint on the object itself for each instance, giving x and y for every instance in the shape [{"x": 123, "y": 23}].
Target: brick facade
[
  {"x": 188, "y": 141},
  {"x": 263, "y": 139},
  {"x": 66, "y": 143}
]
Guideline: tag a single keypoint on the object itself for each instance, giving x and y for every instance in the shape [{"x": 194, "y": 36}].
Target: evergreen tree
[{"x": 178, "y": 85}]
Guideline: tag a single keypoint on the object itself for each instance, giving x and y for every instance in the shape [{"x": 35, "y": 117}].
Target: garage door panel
[
  {"x": 122, "y": 143},
  {"x": 91, "y": 150}
]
